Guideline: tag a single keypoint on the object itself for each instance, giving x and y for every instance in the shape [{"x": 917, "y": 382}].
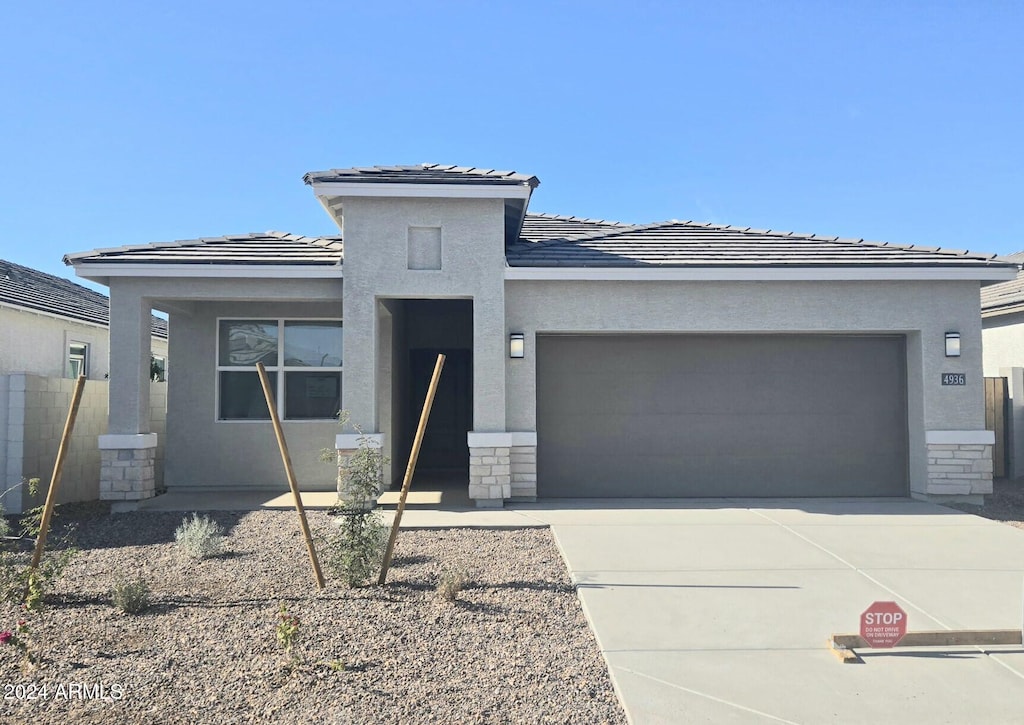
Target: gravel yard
[
  {"x": 513, "y": 648},
  {"x": 1006, "y": 503}
]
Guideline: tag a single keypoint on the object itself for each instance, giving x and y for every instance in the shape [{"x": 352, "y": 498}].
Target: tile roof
[
  {"x": 538, "y": 227},
  {"x": 27, "y": 287},
  {"x": 1004, "y": 297},
  {"x": 259, "y": 248},
  {"x": 694, "y": 244},
  {"x": 421, "y": 174}
]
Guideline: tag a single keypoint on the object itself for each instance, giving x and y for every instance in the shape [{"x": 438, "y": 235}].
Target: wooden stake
[
  {"x": 58, "y": 470},
  {"x": 843, "y": 645},
  {"x": 268, "y": 393},
  {"x": 424, "y": 415}
]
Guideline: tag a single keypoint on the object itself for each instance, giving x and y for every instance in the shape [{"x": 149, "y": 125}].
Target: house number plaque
[{"x": 954, "y": 379}]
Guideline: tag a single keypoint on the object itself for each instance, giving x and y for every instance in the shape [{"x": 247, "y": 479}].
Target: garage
[{"x": 721, "y": 415}]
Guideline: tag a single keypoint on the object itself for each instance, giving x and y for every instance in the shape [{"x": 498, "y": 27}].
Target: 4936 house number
[{"x": 954, "y": 379}]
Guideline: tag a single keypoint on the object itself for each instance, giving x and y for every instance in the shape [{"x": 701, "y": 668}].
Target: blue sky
[{"x": 126, "y": 123}]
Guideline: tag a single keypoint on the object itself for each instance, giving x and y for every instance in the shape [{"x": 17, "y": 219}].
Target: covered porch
[{"x": 233, "y": 302}]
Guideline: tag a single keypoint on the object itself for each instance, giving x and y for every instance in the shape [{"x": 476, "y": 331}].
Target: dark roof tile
[
  {"x": 1004, "y": 297},
  {"x": 545, "y": 228},
  {"x": 26, "y": 287},
  {"x": 421, "y": 174},
  {"x": 693, "y": 244},
  {"x": 257, "y": 248}
]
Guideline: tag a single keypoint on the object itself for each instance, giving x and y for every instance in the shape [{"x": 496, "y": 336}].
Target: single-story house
[
  {"x": 53, "y": 327},
  {"x": 1002, "y": 321},
  {"x": 584, "y": 358}
]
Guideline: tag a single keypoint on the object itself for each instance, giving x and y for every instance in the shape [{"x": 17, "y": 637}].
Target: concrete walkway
[{"x": 718, "y": 610}]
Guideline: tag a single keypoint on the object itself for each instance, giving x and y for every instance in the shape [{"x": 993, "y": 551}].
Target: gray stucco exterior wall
[
  {"x": 202, "y": 451},
  {"x": 376, "y": 268}
]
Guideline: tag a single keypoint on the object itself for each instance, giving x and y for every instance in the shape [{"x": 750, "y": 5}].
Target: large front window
[{"x": 306, "y": 353}]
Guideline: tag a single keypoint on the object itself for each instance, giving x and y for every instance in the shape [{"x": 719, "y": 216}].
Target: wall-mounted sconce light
[
  {"x": 516, "y": 345},
  {"x": 952, "y": 344}
]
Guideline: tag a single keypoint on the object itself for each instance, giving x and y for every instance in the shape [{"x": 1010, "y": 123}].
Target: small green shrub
[
  {"x": 355, "y": 550},
  {"x": 287, "y": 628},
  {"x": 131, "y": 596},
  {"x": 200, "y": 537},
  {"x": 453, "y": 580},
  {"x": 19, "y": 584},
  {"x": 361, "y": 474}
]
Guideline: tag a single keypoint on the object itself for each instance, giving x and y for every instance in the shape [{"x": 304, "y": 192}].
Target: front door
[{"x": 451, "y": 417}]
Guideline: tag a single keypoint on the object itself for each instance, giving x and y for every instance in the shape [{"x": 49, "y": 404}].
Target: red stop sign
[{"x": 883, "y": 624}]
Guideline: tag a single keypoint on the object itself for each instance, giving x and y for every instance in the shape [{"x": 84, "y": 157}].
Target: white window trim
[
  {"x": 85, "y": 357},
  {"x": 279, "y": 402}
]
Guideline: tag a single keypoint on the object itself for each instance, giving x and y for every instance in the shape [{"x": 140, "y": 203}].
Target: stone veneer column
[
  {"x": 490, "y": 468},
  {"x": 959, "y": 463},
  {"x": 502, "y": 466},
  {"x": 524, "y": 466},
  {"x": 127, "y": 468},
  {"x": 347, "y": 445}
]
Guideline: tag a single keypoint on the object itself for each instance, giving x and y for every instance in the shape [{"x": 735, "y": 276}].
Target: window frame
[
  {"x": 279, "y": 369},
  {"x": 84, "y": 358},
  {"x": 153, "y": 357}
]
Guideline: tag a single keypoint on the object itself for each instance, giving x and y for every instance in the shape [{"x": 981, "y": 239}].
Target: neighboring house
[
  {"x": 53, "y": 327},
  {"x": 52, "y": 330},
  {"x": 584, "y": 358},
  {"x": 1002, "y": 320}
]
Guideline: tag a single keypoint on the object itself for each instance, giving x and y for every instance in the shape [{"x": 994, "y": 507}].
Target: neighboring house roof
[
  {"x": 29, "y": 288},
  {"x": 260, "y": 248},
  {"x": 1005, "y": 297},
  {"x": 693, "y": 244},
  {"x": 421, "y": 174}
]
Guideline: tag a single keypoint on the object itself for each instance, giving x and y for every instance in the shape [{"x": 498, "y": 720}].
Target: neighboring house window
[
  {"x": 307, "y": 354},
  {"x": 158, "y": 369},
  {"x": 78, "y": 359}
]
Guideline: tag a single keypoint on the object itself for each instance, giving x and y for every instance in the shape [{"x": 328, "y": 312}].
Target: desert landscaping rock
[
  {"x": 514, "y": 647},
  {"x": 1005, "y": 503}
]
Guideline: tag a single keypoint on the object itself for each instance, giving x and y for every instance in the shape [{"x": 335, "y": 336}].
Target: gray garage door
[{"x": 721, "y": 415}]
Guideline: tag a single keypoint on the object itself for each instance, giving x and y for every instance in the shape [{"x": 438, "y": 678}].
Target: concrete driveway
[{"x": 719, "y": 610}]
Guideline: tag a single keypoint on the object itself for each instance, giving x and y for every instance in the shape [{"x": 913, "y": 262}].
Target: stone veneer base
[
  {"x": 959, "y": 464},
  {"x": 127, "y": 468},
  {"x": 502, "y": 466}
]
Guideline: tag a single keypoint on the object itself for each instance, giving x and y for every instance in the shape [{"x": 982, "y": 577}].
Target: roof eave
[
  {"x": 482, "y": 190},
  {"x": 1004, "y": 309},
  {"x": 762, "y": 273},
  {"x": 100, "y": 271}
]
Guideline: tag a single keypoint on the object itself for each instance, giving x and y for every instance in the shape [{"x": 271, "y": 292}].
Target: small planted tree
[
  {"x": 24, "y": 584},
  {"x": 355, "y": 548}
]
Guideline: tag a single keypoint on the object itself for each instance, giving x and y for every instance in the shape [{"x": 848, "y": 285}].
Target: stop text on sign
[{"x": 873, "y": 618}]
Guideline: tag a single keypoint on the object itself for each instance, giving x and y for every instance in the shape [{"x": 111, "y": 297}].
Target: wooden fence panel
[{"x": 995, "y": 420}]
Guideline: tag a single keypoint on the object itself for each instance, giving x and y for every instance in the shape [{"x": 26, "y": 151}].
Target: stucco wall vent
[{"x": 424, "y": 247}]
